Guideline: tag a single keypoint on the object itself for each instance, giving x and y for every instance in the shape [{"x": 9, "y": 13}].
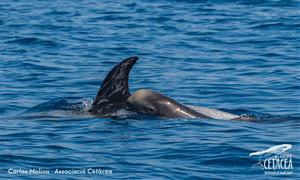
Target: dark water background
[{"x": 242, "y": 56}]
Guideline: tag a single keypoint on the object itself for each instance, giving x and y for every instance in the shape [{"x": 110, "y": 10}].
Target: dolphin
[
  {"x": 114, "y": 95},
  {"x": 156, "y": 104}
]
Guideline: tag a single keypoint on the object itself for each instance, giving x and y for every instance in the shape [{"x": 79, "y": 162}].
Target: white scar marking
[
  {"x": 185, "y": 113},
  {"x": 214, "y": 113}
]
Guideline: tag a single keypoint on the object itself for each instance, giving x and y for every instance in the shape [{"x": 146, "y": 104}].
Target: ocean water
[{"x": 239, "y": 56}]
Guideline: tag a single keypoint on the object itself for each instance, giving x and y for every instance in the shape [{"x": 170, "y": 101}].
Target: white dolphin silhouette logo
[{"x": 273, "y": 150}]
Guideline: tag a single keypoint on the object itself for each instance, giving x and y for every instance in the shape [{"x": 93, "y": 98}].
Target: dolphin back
[{"x": 114, "y": 90}]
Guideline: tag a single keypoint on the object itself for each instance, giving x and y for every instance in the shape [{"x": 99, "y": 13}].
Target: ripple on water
[
  {"x": 32, "y": 41},
  {"x": 238, "y": 56}
]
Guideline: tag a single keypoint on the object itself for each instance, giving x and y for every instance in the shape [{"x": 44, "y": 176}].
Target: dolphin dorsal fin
[{"x": 114, "y": 90}]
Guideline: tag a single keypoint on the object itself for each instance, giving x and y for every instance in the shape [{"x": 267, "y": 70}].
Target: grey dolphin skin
[
  {"x": 153, "y": 103},
  {"x": 114, "y": 90},
  {"x": 114, "y": 95}
]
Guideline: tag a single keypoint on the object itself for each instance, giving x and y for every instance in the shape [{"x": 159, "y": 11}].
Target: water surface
[{"x": 240, "y": 56}]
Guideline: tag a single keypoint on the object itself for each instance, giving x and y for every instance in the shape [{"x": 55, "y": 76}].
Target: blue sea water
[{"x": 241, "y": 56}]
